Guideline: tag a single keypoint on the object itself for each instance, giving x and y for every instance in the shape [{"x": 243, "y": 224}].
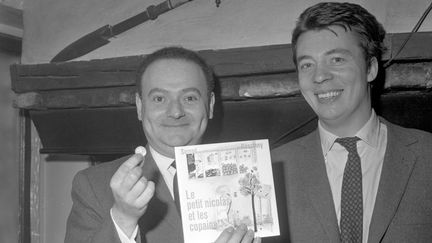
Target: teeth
[{"x": 328, "y": 95}]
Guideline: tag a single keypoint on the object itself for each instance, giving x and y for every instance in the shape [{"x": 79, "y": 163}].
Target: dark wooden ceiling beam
[
  {"x": 401, "y": 76},
  {"x": 11, "y": 27},
  {"x": 11, "y": 16},
  {"x": 235, "y": 62}
]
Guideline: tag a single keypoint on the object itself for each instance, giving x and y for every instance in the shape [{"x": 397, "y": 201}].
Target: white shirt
[
  {"x": 371, "y": 149},
  {"x": 168, "y": 172}
]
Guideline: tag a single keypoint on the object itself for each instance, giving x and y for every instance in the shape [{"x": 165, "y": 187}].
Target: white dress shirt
[
  {"x": 168, "y": 172},
  {"x": 371, "y": 149}
]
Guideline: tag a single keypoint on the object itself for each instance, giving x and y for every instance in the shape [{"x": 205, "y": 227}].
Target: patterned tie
[
  {"x": 175, "y": 186},
  {"x": 351, "y": 221}
]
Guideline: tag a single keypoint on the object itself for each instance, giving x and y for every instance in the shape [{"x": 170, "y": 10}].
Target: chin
[{"x": 178, "y": 141}]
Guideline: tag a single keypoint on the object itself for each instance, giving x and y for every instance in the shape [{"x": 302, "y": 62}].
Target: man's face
[
  {"x": 333, "y": 77},
  {"x": 175, "y": 105}
]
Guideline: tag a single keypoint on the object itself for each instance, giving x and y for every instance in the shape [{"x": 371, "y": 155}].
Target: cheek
[
  {"x": 305, "y": 82},
  {"x": 198, "y": 112},
  {"x": 307, "y": 90},
  {"x": 152, "y": 114}
]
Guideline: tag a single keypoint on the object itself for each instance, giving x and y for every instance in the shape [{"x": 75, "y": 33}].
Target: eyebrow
[
  {"x": 156, "y": 90},
  {"x": 159, "y": 90},
  {"x": 330, "y": 52},
  {"x": 339, "y": 51},
  {"x": 302, "y": 57},
  {"x": 192, "y": 90}
]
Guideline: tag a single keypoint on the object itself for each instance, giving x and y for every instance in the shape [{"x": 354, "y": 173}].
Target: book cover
[{"x": 226, "y": 184}]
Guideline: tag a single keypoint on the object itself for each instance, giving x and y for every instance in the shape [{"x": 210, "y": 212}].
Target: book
[{"x": 226, "y": 184}]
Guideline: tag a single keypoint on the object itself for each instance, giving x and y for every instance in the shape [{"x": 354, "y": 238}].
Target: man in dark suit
[
  {"x": 358, "y": 177},
  {"x": 132, "y": 199}
]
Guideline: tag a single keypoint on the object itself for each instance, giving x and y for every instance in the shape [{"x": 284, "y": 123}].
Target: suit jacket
[
  {"x": 403, "y": 207},
  {"x": 90, "y": 220}
]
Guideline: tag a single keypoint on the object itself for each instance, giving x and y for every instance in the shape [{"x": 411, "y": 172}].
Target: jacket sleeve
[{"x": 88, "y": 221}]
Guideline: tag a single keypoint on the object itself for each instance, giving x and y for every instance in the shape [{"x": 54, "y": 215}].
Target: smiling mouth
[
  {"x": 329, "y": 96},
  {"x": 174, "y": 125}
]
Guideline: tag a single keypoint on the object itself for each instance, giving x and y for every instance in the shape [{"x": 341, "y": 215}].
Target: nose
[
  {"x": 322, "y": 74},
  {"x": 175, "y": 109}
]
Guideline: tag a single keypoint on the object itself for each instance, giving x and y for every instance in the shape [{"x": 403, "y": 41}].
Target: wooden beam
[
  {"x": 11, "y": 16},
  {"x": 418, "y": 46},
  {"x": 11, "y": 44},
  {"x": 409, "y": 76},
  {"x": 116, "y": 130},
  {"x": 24, "y": 157},
  {"x": 236, "y": 62},
  {"x": 399, "y": 76}
]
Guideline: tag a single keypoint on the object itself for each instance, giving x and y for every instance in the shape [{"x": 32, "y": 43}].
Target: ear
[
  {"x": 211, "y": 105},
  {"x": 138, "y": 104},
  {"x": 372, "y": 69}
]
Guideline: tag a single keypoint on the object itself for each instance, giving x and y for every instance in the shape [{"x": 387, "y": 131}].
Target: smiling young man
[
  {"x": 132, "y": 199},
  {"x": 358, "y": 177}
]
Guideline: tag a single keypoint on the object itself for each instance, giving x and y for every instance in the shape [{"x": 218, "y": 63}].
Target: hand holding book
[{"x": 239, "y": 235}]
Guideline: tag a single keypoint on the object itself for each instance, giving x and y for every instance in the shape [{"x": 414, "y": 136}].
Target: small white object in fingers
[{"x": 141, "y": 150}]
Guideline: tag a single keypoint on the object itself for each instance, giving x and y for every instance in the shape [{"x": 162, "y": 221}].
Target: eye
[
  {"x": 337, "y": 60},
  {"x": 158, "y": 99},
  {"x": 191, "y": 98},
  {"x": 305, "y": 66}
]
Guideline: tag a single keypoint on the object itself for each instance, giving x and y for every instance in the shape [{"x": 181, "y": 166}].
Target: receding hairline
[
  {"x": 176, "y": 53},
  {"x": 179, "y": 59}
]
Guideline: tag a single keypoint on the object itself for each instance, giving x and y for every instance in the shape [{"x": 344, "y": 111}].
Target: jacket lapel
[
  {"x": 162, "y": 206},
  {"x": 398, "y": 164},
  {"x": 319, "y": 191}
]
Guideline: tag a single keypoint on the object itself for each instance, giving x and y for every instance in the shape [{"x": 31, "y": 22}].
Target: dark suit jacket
[
  {"x": 90, "y": 220},
  {"x": 403, "y": 207}
]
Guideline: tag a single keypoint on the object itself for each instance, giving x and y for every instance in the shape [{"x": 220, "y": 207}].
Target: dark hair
[
  {"x": 178, "y": 53},
  {"x": 349, "y": 16}
]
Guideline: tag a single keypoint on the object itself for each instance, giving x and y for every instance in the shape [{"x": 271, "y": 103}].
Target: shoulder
[
  {"x": 293, "y": 147},
  {"x": 99, "y": 174},
  {"x": 408, "y": 135},
  {"x": 418, "y": 141}
]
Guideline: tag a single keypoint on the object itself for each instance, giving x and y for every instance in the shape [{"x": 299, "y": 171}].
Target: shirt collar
[
  {"x": 161, "y": 160},
  {"x": 369, "y": 133}
]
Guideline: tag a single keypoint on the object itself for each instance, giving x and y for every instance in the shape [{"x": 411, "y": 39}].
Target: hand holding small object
[
  {"x": 141, "y": 150},
  {"x": 132, "y": 192}
]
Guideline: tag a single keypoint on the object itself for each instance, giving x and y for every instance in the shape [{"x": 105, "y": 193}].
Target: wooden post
[{"x": 24, "y": 176}]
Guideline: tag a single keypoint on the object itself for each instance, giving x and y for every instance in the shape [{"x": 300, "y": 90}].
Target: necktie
[
  {"x": 351, "y": 221},
  {"x": 175, "y": 188}
]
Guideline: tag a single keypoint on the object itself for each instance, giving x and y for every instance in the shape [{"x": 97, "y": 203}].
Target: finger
[
  {"x": 131, "y": 179},
  {"x": 225, "y": 235},
  {"x": 248, "y": 237},
  {"x": 239, "y": 233},
  {"x": 146, "y": 195},
  {"x": 257, "y": 240},
  {"x": 124, "y": 168},
  {"x": 138, "y": 188}
]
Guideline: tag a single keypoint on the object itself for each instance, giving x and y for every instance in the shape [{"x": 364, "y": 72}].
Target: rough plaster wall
[
  {"x": 402, "y": 15},
  {"x": 13, "y": 3},
  {"x": 50, "y": 25}
]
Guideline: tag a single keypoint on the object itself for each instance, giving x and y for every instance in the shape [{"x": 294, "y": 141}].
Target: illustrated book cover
[{"x": 226, "y": 184}]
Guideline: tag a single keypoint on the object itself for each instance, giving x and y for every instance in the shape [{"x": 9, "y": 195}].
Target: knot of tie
[
  {"x": 173, "y": 164},
  {"x": 349, "y": 143}
]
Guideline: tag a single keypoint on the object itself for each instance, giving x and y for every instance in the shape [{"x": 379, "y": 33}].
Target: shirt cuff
[{"x": 123, "y": 237}]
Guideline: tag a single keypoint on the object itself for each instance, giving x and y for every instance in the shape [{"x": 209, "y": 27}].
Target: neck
[{"x": 347, "y": 127}]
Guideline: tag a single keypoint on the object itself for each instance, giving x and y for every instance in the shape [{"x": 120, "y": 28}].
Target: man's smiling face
[
  {"x": 334, "y": 76},
  {"x": 175, "y": 105}
]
